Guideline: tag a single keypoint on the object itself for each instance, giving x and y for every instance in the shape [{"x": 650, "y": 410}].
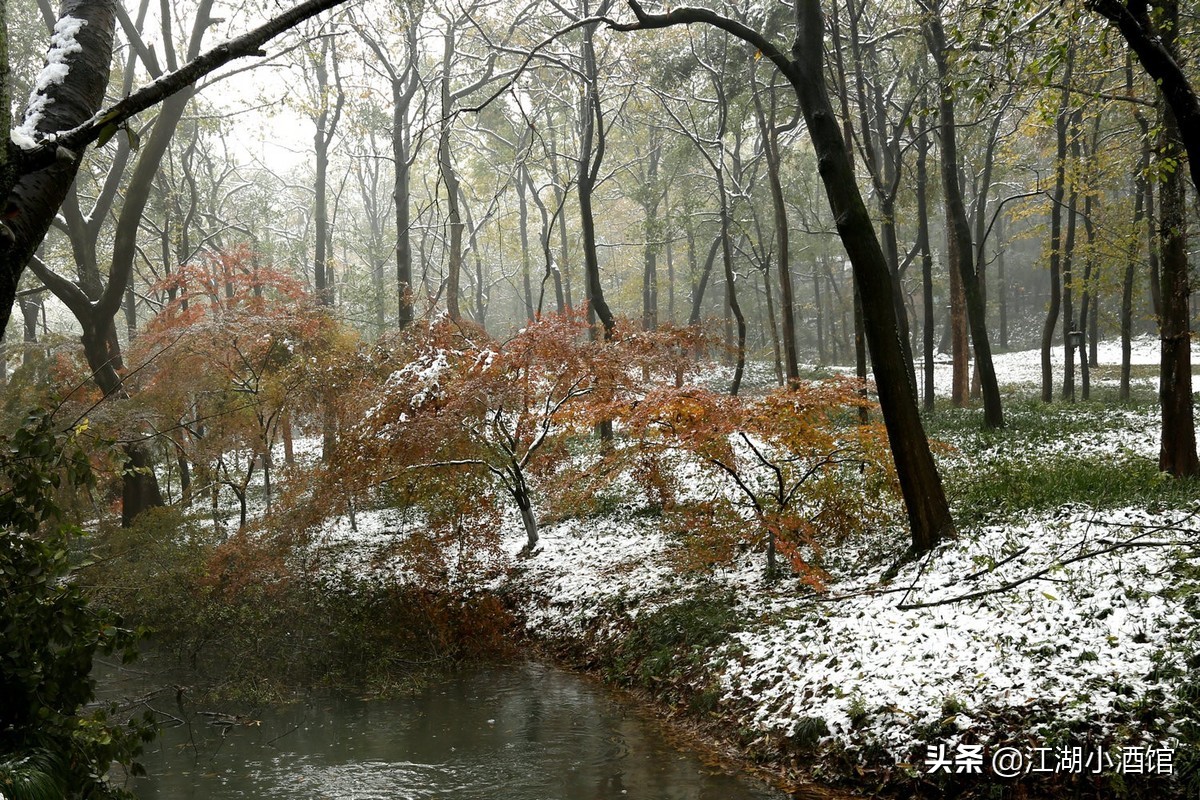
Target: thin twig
[{"x": 1004, "y": 587}]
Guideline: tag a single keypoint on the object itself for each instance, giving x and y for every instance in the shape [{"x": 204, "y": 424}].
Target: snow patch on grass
[{"x": 1083, "y": 639}]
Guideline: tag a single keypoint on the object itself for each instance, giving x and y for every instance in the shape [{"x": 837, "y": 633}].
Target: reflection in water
[{"x": 525, "y": 732}]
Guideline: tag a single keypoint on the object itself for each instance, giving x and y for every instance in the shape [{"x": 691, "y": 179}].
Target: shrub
[{"x": 50, "y": 632}]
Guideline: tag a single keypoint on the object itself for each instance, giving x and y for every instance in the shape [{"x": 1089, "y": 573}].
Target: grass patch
[
  {"x": 1029, "y": 420},
  {"x": 665, "y": 649},
  {"x": 1053, "y": 455},
  {"x": 1000, "y": 490}
]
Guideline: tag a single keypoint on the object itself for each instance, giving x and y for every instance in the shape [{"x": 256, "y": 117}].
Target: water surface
[{"x": 523, "y": 732}]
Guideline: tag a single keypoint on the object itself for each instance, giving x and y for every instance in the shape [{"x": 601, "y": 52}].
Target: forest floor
[{"x": 1051, "y": 649}]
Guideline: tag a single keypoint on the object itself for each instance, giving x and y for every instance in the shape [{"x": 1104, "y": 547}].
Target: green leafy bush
[
  {"x": 665, "y": 649},
  {"x": 49, "y": 632}
]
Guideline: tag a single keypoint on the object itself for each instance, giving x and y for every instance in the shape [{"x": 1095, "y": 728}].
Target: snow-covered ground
[
  {"x": 1090, "y": 627},
  {"x": 1024, "y": 367},
  {"x": 1074, "y": 618},
  {"x": 1077, "y": 618}
]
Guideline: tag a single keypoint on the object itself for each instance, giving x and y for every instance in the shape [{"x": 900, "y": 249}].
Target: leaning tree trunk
[
  {"x": 32, "y": 199},
  {"x": 928, "y": 512}
]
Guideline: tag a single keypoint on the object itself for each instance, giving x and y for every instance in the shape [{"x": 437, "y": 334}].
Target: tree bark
[
  {"x": 403, "y": 91},
  {"x": 1139, "y": 213},
  {"x": 591, "y": 156},
  {"x": 1177, "y": 451},
  {"x": 526, "y": 260},
  {"x": 31, "y": 198},
  {"x": 731, "y": 297},
  {"x": 787, "y": 303},
  {"x": 450, "y": 181},
  {"x": 1056, "y": 240},
  {"x": 653, "y": 234},
  {"x": 960, "y": 229},
  {"x": 1068, "y": 279},
  {"x": 930, "y": 321}
]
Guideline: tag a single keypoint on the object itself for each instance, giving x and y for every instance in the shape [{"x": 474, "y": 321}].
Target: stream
[{"x": 515, "y": 732}]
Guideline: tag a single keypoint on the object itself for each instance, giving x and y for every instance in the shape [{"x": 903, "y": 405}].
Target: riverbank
[
  {"x": 1050, "y": 650},
  {"x": 1064, "y": 633},
  {"x": 854, "y": 685}
]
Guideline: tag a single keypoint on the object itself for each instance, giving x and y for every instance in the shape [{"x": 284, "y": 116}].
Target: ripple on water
[{"x": 515, "y": 733}]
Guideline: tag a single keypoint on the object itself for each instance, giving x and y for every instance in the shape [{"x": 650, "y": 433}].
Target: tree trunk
[
  {"x": 552, "y": 272},
  {"x": 1139, "y": 213},
  {"x": 705, "y": 273},
  {"x": 960, "y": 346},
  {"x": 1056, "y": 242},
  {"x": 1068, "y": 283},
  {"x": 526, "y": 261},
  {"x": 650, "y": 253},
  {"x": 591, "y": 156},
  {"x": 325, "y": 124},
  {"x": 927, "y": 333},
  {"x": 819, "y": 317},
  {"x": 32, "y": 199},
  {"x": 520, "y": 493},
  {"x": 450, "y": 180},
  {"x": 562, "y": 274},
  {"x": 401, "y": 193},
  {"x": 928, "y": 512},
  {"x": 1087, "y": 301},
  {"x": 1002, "y": 280},
  {"x": 730, "y": 290},
  {"x": 962, "y": 253},
  {"x": 185, "y": 478},
  {"x": 787, "y": 304},
  {"x": 1177, "y": 453},
  {"x": 670, "y": 255}
]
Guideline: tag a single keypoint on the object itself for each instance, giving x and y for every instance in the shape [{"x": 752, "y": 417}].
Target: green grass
[
  {"x": 1028, "y": 419},
  {"x": 1004, "y": 489},
  {"x": 664, "y": 648},
  {"x": 1039, "y": 461}
]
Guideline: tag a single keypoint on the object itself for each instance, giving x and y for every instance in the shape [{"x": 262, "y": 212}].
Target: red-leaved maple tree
[
  {"x": 791, "y": 472},
  {"x": 456, "y": 405},
  {"x": 226, "y": 363}
]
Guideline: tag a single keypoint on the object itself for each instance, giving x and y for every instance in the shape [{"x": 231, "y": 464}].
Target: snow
[
  {"x": 1024, "y": 367},
  {"x": 62, "y": 44},
  {"x": 1073, "y": 616},
  {"x": 1080, "y": 639},
  {"x": 1074, "y": 640}
]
